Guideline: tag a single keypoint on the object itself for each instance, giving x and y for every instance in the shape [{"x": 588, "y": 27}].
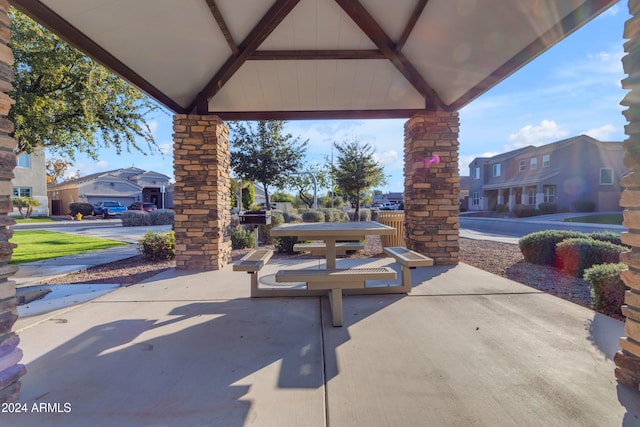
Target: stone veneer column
[
  {"x": 202, "y": 198},
  {"x": 10, "y": 353},
  {"x": 432, "y": 185},
  {"x": 627, "y": 360}
]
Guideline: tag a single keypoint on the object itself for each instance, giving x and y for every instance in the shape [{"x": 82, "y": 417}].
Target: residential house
[
  {"x": 123, "y": 185},
  {"x": 393, "y": 197},
  {"x": 575, "y": 169},
  {"x": 30, "y": 180}
]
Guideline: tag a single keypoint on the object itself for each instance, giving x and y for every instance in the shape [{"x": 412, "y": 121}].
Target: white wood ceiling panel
[
  {"x": 392, "y": 16},
  {"x": 242, "y": 15},
  {"x": 162, "y": 53},
  {"x": 316, "y": 86},
  {"x": 455, "y": 45},
  {"x": 317, "y": 24}
]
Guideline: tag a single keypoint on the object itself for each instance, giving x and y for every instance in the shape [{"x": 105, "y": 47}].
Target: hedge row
[
  {"x": 576, "y": 255},
  {"x": 139, "y": 218},
  {"x": 540, "y": 247},
  {"x": 607, "y": 288}
]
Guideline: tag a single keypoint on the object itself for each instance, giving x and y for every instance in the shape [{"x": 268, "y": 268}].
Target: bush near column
[
  {"x": 158, "y": 246},
  {"x": 607, "y": 288},
  {"x": 575, "y": 255},
  {"x": 540, "y": 247}
]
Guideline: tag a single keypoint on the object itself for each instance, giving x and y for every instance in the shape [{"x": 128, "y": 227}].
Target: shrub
[
  {"x": 158, "y": 246},
  {"x": 501, "y": 208},
  {"x": 575, "y": 255},
  {"x": 285, "y": 244},
  {"x": 365, "y": 215},
  {"x": 607, "y": 288},
  {"x": 540, "y": 247},
  {"x": 241, "y": 238},
  {"x": 522, "y": 211},
  {"x": 161, "y": 217},
  {"x": 135, "y": 218},
  {"x": 607, "y": 236},
  {"x": 583, "y": 206},
  {"x": 291, "y": 217},
  {"x": 333, "y": 215},
  {"x": 312, "y": 216},
  {"x": 81, "y": 207},
  {"x": 547, "y": 208}
]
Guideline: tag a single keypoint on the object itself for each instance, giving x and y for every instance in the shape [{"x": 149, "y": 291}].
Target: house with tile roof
[
  {"x": 126, "y": 186},
  {"x": 578, "y": 169}
]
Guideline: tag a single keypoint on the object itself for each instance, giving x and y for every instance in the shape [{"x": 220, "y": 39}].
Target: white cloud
[
  {"x": 153, "y": 126},
  {"x": 602, "y": 133},
  {"x": 165, "y": 148},
  {"x": 546, "y": 131},
  {"x": 386, "y": 158}
]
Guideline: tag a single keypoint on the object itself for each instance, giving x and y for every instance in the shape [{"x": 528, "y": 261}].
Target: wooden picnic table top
[{"x": 323, "y": 230}]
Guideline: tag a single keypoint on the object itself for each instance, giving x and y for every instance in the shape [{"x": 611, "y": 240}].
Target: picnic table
[
  {"x": 333, "y": 279},
  {"x": 331, "y": 232}
]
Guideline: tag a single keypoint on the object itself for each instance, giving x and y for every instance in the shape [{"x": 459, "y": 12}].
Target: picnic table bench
[
  {"x": 319, "y": 248},
  {"x": 408, "y": 261},
  {"x": 335, "y": 280},
  {"x": 252, "y": 263}
]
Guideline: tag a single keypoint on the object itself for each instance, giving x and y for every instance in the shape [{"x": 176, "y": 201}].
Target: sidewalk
[{"x": 191, "y": 348}]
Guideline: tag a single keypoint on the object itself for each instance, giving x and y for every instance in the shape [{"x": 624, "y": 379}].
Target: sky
[{"x": 573, "y": 88}]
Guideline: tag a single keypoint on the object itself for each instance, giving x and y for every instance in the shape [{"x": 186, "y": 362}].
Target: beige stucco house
[
  {"x": 30, "y": 180},
  {"x": 122, "y": 185}
]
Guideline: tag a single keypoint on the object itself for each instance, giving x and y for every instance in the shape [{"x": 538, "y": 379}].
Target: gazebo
[{"x": 211, "y": 61}]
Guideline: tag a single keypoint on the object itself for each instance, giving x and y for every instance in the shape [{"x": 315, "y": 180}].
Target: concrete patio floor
[{"x": 465, "y": 348}]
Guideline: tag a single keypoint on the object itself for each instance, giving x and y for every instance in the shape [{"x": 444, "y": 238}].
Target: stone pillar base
[
  {"x": 202, "y": 198},
  {"x": 432, "y": 185}
]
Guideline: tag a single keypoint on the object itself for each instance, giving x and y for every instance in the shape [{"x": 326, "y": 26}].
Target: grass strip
[
  {"x": 609, "y": 219},
  {"x": 33, "y": 220},
  {"x": 37, "y": 245}
]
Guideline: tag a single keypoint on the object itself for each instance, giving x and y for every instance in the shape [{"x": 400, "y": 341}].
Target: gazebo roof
[{"x": 294, "y": 59}]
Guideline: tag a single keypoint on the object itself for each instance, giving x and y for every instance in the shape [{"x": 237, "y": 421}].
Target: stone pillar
[
  {"x": 627, "y": 360},
  {"x": 10, "y": 353},
  {"x": 202, "y": 198},
  {"x": 432, "y": 185}
]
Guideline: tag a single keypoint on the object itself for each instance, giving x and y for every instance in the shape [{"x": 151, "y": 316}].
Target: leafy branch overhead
[{"x": 69, "y": 103}]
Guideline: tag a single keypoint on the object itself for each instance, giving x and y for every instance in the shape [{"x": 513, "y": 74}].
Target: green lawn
[
  {"x": 34, "y": 220},
  {"x": 609, "y": 219},
  {"x": 36, "y": 245}
]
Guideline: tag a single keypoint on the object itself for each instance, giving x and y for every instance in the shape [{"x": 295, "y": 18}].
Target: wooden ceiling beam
[
  {"x": 316, "y": 115},
  {"x": 268, "y": 23},
  {"x": 374, "y": 31},
  {"x": 217, "y": 15},
  {"x": 413, "y": 20},
  {"x": 54, "y": 22},
  {"x": 294, "y": 55},
  {"x": 558, "y": 32}
]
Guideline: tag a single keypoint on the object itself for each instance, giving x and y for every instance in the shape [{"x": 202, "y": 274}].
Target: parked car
[
  {"x": 108, "y": 208},
  {"x": 390, "y": 206},
  {"x": 140, "y": 206}
]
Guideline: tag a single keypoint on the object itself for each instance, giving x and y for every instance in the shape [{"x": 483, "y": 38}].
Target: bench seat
[
  {"x": 252, "y": 263},
  {"x": 408, "y": 260},
  {"x": 335, "y": 280},
  {"x": 320, "y": 248}
]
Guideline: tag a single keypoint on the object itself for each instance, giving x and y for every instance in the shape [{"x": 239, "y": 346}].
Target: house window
[
  {"x": 496, "y": 169},
  {"x": 549, "y": 193},
  {"x": 533, "y": 163},
  {"x": 21, "y": 191},
  {"x": 476, "y": 173},
  {"x": 475, "y": 198},
  {"x": 531, "y": 193},
  {"x": 522, "y": 166},
  {"x": 24, "y": 160},
  {"x": 606, "y": 176},
  {"x": 546, "y": 160}
]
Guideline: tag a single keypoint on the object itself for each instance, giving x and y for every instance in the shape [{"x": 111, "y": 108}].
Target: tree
[
  {"x": 56, "y": 169},
  {"x": 357, "y": 170},
  {"x": 248, "y": 196},
  {"x": 67, "y": 102},
  {"x": 25, "y": 202},
  {"x": 265, "y": 155}
]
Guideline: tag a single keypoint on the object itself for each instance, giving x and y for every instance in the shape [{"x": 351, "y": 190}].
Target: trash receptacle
[{"x": 393, "y": 219}]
